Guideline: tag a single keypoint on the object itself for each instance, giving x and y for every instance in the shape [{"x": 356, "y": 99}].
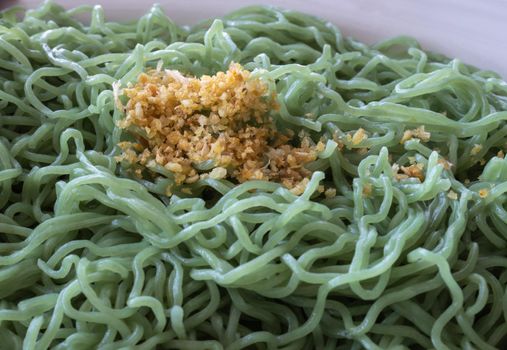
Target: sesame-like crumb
[
  {"x": 186, "y": 190},
  {"x": 483, "y": 193},
  {"x": 359, "y": 136},
  {"x": 475, "y": 149},
  {"x": 218, "y": 173},
  {"x": 414, "y": 170},
  {"x": 396, "y": 169},
  {"x": 330, "y": 193},
  {"x": 300, "y": 187},
  {"x": 452, "y": 195},
  {"x": 445, "y": 163},
  {"x": 180, "y": 122},
  {"x": 418, "y": 133},
  {"x": 339, "y": 140},
  {"x": 367, "y": 190}
]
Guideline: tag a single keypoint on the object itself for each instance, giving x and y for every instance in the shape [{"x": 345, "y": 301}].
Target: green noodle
[{"x": 93, "y": 259}]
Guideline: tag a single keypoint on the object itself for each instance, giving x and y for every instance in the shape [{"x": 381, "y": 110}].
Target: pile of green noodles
[{"x": 93, "y": 259}]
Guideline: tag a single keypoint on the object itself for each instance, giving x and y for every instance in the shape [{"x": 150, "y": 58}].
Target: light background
[{"x": 473, "y": 30}]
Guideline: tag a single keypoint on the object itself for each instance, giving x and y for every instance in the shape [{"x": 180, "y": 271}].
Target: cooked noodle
[{"x": 94, "y": 258}]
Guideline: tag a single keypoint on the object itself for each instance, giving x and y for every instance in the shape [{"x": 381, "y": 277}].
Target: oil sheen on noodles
[{"x": 92, "y": 259}]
